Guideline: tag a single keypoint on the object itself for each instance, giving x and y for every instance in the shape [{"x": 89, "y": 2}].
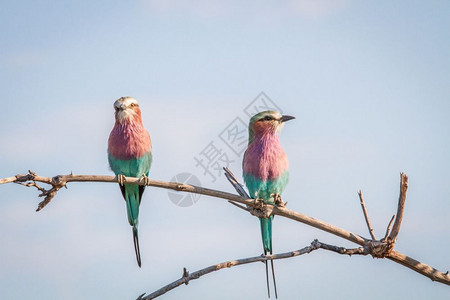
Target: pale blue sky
[{"x": 368, "y": 83}]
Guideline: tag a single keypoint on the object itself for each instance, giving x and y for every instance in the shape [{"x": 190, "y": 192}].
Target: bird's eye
[{"x": 267, "y": 118}]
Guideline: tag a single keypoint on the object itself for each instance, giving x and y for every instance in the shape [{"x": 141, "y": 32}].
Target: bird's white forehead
[{"x": 127, "y": 101}]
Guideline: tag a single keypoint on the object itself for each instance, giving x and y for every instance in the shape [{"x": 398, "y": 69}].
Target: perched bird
[
  {"x": 130, "y": 154},
  {"x": 265, "y": 170}
]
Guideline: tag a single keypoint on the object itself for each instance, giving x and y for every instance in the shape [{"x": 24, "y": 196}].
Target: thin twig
[
  {"x": 389, "y": 227},
  {"x": 240, "y": 206},
  {"x": 186, "y": 277},
  {"x": 366, "y": 215},
  {"x": 341, "y": 250},
  {"x": 32, "y": 183}
]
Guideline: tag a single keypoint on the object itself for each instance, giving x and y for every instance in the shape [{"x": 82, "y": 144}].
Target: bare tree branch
[
  {"x": 388, "y": 227},
  {"x": 424, "y": 269},
  {"x": 377, "y": 248},
  {"x": 366, "y": 215},
  {"x": 59, "y": 181},
  {"x": 186, "y": 277},
  {"x": 401, "y": 206}
]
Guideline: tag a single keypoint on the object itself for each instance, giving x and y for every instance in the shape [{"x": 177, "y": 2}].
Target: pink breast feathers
[
  {"x": 265, "y": 161},
  {"x": 128, "y": 141}
]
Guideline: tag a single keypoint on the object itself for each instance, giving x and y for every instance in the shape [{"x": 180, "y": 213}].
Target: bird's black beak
[{"x": 286, "y": 118}]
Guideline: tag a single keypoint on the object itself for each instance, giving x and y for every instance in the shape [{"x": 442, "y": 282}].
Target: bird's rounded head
[
  {"x": 126, "y": 109},
  {"x": 266, "y": 122}
]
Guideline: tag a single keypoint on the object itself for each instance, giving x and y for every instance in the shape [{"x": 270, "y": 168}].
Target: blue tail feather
[
  {"x": 132, "y": 198},
  {"x": 266, "y": 233},
  {"x": 136, "y": 245}
]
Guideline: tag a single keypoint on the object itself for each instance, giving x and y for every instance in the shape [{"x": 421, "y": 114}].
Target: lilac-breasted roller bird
[
  {"x": 266, "y": 170},
  {"x": 130, "y": 154}
]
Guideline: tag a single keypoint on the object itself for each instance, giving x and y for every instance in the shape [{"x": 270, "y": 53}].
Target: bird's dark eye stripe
[{"x": 266, "y": 118}]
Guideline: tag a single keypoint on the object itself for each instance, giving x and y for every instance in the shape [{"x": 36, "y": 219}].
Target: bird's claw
[
  {"x": 278, "y": 201},
  {"x": 145, "y": 179},
  {"x": 259, "y": 203},
  {"x": 121, "y": 179}
]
